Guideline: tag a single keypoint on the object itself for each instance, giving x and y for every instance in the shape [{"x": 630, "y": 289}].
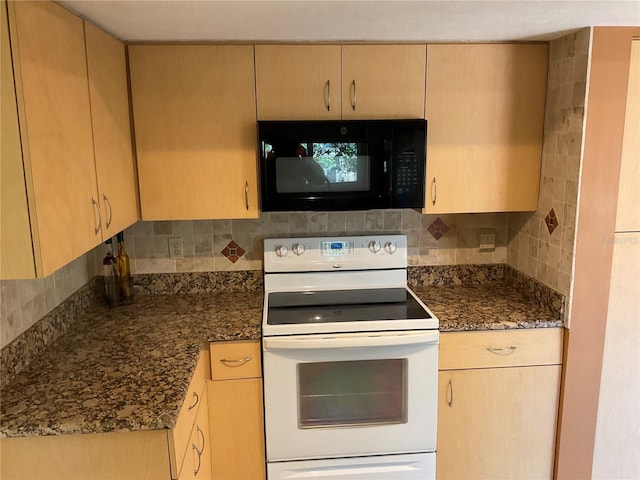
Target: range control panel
[{"x": 335, "y": 253}]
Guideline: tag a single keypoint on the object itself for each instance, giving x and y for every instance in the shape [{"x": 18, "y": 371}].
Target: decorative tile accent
[
  {"x": 233, "y": 251},
  {"x": 551, "y": 220},
  {"x": 438, "y": 228}
]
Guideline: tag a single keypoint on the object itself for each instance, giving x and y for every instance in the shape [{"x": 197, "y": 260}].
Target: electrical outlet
[
  {"x": 487, "y": 239},
  {"x": 175, "y": 247}
]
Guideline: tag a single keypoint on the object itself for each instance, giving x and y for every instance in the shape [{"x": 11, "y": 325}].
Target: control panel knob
[
  {"x": 391, "y": 247},
  {"x": 281, "y": 251},
  {"x": 297, "y": 248},
  {"x": 374, "y": 246}
]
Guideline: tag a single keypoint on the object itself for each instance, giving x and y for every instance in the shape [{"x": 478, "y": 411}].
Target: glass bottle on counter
[
  {"x": 124, "y": 280},
  {"x": 110, "y": 279}
]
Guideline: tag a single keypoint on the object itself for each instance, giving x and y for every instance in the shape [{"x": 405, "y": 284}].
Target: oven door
[{"x": 329, "y": 396}]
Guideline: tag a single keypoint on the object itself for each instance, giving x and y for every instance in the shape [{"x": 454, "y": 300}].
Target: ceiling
[{"x": 360, "y": 20}]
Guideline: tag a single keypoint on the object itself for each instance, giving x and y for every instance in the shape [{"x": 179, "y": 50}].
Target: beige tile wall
[
  {"x": 531, "y": 248},
  {"x": 24, "y": 302},
  {"x": 204, "y": 240}
]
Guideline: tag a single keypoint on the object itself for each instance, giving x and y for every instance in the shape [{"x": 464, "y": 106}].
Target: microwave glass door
[{"x": 322, "y": 167}]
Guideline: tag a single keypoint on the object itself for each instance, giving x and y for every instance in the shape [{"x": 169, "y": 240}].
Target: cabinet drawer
[
  {"x": 179, "y": 437},
  {"x": 235, "y": 360},
  {"x": 504, "y": 348}
]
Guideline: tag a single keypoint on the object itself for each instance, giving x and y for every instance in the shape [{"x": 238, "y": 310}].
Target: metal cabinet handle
[
  {"x": 246, "y": 195},
  {"x": 235, "y": 363},
  {"x": 502, "y": 351},
  {"x": 450, "y": 402},
  {"x": 99, "y": 225},
  {"x": 106, "y": 199},
  {"x": 198, "y": 452},
  {"x": 328, "y": 95},
  {"x": 434, "y": 191},
  {"x": 353, "y": 95},
  {"x": 195, "y": 403}
]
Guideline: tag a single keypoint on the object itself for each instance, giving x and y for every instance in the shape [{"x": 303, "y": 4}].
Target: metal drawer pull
[
  {"x": 246, "y": 195},
  {"x": 199, "y": 452},
  {"x": 195, "y": 394},
  {"x": 502, "y": 351},
  {"x": 328, "y": 95},
  {"x": 450, "y": 402},
  {"x": 99, "y": 225},
  {"x": 235, "y": 363},
  {"x": 353, "y": 95},
  {"x": 434, "y": 191},
  {"x": 106, "y": 199}
]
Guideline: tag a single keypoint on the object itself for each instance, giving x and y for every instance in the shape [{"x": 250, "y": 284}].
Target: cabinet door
[
  {"x": 628, "y": 213},
  {"x": 383, "y": 81},
  {"x": 497, "y": 423},
  {"x": 298, "y": 82},
  {"x": 111, "y": 130},
  {"x": 55, "y": 121},
  {"x": 15, "y": 231},
  {"x": 485, "y": 107},
  {"x": 197, "y": 462},
  {"x": 195, "y": 128},
  {"x": 237, "y": 432}
]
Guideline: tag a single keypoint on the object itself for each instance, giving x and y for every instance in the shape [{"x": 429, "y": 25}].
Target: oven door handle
[{"x": 350, "y": 341}]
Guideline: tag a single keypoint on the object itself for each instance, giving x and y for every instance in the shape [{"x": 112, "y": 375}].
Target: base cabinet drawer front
[
  {"x": 197, "y": 460},
  {"x": 237, "y": 429},
  {"x": 180, "y": 434},
  {"x": 497, "y": 423},
  {"x": 504, "y": 348},
  {"x": 235, "y": 360}
]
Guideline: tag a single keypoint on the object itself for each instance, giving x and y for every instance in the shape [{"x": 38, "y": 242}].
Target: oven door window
[{"x": 352, "y": 393}]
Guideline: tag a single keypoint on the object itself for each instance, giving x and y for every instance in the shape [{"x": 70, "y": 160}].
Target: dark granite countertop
[
  {"x": 129, "y": 368},
  {"x": 124, "y": 369},
  {"x": 490, "y": 306}
]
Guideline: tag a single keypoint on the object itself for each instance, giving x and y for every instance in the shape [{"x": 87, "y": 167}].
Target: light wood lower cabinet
[
  {"x": 197, "y": 461},
  {"x": 498, "y": 420},
  {"x": 141, "y": 455},
  {"x": 236, "y": 412}
]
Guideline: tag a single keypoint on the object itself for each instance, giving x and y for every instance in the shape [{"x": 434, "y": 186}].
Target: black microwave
[{"x": 342, "y": 165}]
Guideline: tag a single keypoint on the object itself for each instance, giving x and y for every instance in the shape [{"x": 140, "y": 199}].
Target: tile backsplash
[
  {"x": 225, "y": 245},
  {"x": 24, "y": 302},
  {"x": 541, "y": 244}
]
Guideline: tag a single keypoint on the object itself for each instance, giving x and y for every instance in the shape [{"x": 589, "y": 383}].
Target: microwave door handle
[{"x": 359, "y": 341}]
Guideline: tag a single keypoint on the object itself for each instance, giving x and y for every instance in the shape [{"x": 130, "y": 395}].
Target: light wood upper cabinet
[
  {"x": 195, "y": 128},
  {"x": 55, "y": 121},
  {"x": 108, "y": 89},
  {"x": 628, "y": 211},
  {"x": 498, "y": 404},
  {"x": 383, "y": 81},
  {"x": 328, "y": 82},
  {"x": 298, "y": 82},
  {"x": 485, "y": 108},
  {"x": 68, "y": 179},
  {"x": 15, "y": 232}
]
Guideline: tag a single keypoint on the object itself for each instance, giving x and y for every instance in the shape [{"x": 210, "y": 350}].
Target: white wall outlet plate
[
  {"x": 175, "y": 247},
  {"x": 487, "y": 239}
]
